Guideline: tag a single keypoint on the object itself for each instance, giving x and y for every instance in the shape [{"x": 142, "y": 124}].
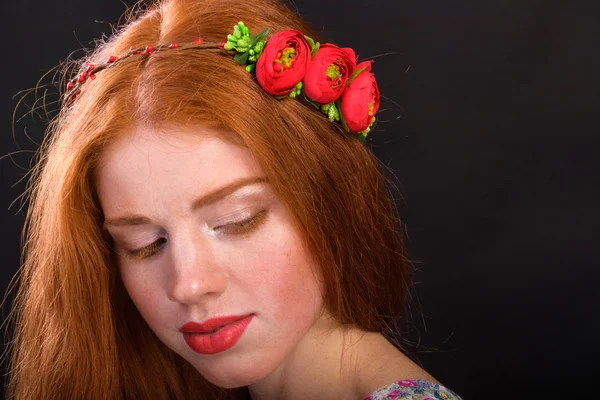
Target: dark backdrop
[{"x": 496, "y": 151}]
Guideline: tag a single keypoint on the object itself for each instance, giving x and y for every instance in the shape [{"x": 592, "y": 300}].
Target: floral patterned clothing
[{"x": 413, "y": 389}]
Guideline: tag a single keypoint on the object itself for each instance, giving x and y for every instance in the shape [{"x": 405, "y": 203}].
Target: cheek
[
  {"x": 285, "y": 279},
  {"x": 142, "y": 291}
]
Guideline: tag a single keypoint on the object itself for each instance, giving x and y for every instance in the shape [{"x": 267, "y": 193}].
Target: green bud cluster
[
  {"x": 249, "y": 47},
  {"x": 256, "y": 51},
  {"x": 296, "y": 91},
  {"x": 332, "y": 111},
  {"x": 240, "y": 40}
]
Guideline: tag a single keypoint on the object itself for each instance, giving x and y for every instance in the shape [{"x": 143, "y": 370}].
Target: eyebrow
[{"x": 205, "y": 200}]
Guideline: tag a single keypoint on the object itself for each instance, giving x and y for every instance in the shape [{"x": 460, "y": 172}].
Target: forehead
[{"x": 168, "y": 163}]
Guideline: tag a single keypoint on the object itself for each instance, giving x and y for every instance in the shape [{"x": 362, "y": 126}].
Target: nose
[{"x": 195, "y": 273}]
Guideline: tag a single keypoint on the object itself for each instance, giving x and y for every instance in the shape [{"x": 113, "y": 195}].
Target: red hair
[{"x": 77, "y": 333}]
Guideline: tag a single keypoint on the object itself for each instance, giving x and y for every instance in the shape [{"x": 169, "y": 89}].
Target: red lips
[
  {"x": 209, "y": 325},
  {"x": 201, "y": 339}
]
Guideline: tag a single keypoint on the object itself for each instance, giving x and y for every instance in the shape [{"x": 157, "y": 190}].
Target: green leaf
[
  {"x": 354, "y": 75},
  {"x": 338, "y": 103},
  {"x": 310, "y": 41},
  {"x": 315, "y": 49},
  {"x": 259, "y": 37},
  {"x": 344, "y": 125},
  {"x": 241, "y": 58},
  {"x": 309, "y": 101},
  {"x": 314, "y": 46}
]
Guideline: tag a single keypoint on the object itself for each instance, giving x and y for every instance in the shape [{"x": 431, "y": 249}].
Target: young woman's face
[{"x": 200, "y": 234}]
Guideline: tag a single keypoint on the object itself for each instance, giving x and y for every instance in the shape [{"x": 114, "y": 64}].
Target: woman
[{"x": 193, "y": 234}]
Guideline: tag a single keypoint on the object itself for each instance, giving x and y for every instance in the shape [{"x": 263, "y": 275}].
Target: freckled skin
[
  {"x": 201, "y": 268},
  {"x": 199, "y": 274}
]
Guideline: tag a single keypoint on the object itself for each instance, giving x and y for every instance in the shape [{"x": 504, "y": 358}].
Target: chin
[{"x": 233, "y": 375}]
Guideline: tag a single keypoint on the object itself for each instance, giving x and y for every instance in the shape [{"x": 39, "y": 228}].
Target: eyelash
[{"x": 236, "y": 228}]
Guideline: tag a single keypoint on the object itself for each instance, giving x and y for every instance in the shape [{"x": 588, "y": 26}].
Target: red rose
[
  {"x": 283, "y": 62},
  {"x": 360, "y": 100},
  {"x": 328, "y": 73}
]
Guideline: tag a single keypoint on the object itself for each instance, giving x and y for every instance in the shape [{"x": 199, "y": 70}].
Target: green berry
[{"x": 331, "y": 114}]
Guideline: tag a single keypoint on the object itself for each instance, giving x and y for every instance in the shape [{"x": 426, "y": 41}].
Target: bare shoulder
[{"x": 379, "y": 363}]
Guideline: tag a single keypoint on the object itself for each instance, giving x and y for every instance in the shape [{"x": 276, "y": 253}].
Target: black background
[{"x": 496, "y": 151}]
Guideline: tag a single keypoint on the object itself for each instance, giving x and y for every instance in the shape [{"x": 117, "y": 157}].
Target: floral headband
[{"x": 288, "y": 64}]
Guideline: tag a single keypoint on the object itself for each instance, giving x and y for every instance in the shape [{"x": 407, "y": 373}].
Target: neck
[{"x": 331, "y": 363}]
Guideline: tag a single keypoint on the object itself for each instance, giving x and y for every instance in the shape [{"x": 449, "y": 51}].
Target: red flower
[
  {"x": 283, "y": 62},
  {"x": 360, "y": 100},
  {"x": 328, "y": 73}
]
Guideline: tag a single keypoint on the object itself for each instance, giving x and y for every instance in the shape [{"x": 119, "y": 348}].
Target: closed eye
[
  {"x": 146, "y": 252},
  {"x": 243, "y": 227},
  {"x": 235, "y": 228}
]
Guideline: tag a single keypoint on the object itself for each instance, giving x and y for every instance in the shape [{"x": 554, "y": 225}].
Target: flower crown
[{"x": 287, "y": 64}]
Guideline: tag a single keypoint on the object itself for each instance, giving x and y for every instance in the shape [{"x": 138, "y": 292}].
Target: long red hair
[{"x": 77, "y": 333}]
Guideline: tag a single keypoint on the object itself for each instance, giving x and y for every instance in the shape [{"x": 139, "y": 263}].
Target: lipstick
[{"x": 216, "y": 334}]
